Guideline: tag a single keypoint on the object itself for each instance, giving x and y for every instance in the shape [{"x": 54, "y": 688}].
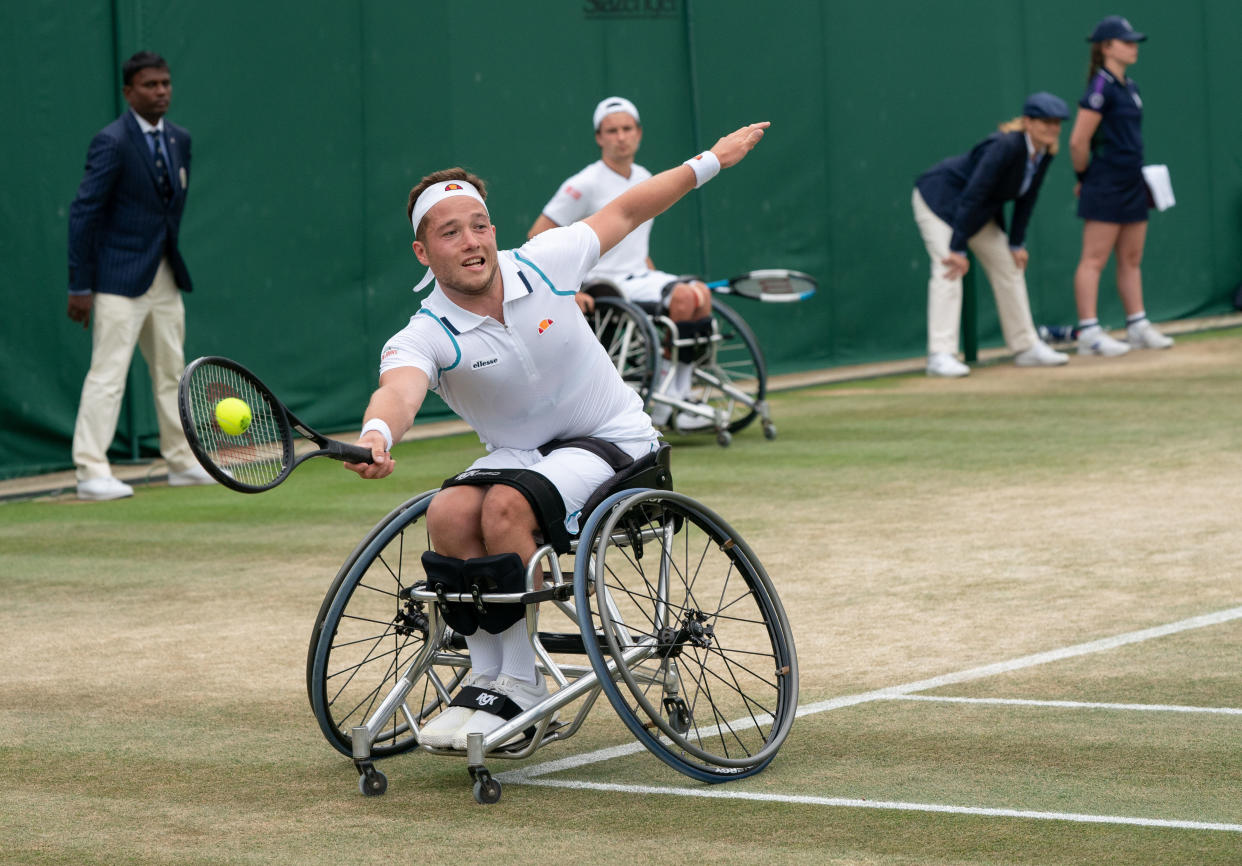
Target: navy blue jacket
[
  {"x": 968, "y": 190},
  {"x": 119, "y": 224}
]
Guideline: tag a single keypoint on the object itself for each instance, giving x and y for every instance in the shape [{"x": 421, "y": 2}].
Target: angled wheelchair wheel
[
  {"x": 630, "y": 340},
  {"x": 733, "y": 378},
  {"x": 683, "y": 625},
  {"x": 369, "y": 632}
]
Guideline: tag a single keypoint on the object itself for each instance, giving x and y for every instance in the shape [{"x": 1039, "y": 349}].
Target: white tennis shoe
[
  {"x": 1094, "y": 341},
  {"x": 525, "y": 695},
  {"x": 945, "y": 366},
  {"x": 103, "y": 489},
  {"x": 1143, "y": 335},
  {"x": 191, "y": 477},
  {"x": 439, "y": 732},
  {"x": 1040, "y": 355}
]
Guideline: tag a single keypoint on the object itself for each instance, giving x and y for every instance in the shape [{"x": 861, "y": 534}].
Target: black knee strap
[
  {"x": 444, "y": 576},
  {"x": 545, "y": 500},
  {"x": 699, "y": 330},
  {"x": 501, "y": 573}
]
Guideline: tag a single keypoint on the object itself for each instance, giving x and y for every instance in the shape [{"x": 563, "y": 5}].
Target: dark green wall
[{"x": 312, "y": 119}]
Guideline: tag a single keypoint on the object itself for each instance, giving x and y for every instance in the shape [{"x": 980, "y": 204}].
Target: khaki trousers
[
  {"x": 944, "y": 296},
  {"x": 155, "y": 322}
]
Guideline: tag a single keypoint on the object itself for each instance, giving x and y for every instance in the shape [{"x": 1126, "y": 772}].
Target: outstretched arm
[
  {"x": 652, "y": 197},
  {"x": 395, "y": 402}
]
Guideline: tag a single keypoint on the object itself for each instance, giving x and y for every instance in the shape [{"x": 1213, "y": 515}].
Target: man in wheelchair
[
  {"x": 627, "y": 267},
  {"x": 502, "y": 341}
]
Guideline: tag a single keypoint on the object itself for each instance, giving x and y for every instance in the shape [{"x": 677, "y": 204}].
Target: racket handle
[{"x": 348, "y": 453}]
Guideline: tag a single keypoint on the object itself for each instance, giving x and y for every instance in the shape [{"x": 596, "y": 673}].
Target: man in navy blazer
[
  {"x": 959, "y": 204},
  {"x": 125, "y": 267}
]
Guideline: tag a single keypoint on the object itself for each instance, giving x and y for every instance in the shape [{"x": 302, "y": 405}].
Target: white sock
[
  {"x": 486, "y": 651},
  {"x": 682, "y": 377},
  {"x": 519, "y": 653},
  {"x": 1087, "y": 324}
]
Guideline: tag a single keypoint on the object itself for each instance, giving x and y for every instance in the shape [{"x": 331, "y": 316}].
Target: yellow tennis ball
[{"x": 233, "y": 416}]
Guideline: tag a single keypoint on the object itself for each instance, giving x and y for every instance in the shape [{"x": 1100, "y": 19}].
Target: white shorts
[
  {"x": 647, "y": 287},
  {"x": 575, "y": 473}
]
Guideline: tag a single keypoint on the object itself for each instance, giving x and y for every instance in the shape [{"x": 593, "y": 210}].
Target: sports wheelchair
[
  {"x": 680, "y": 626},
  {"x": 729, "y": 378}
]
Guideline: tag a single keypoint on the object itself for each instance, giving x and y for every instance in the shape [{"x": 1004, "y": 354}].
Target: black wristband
[{"x": 1080, "y": 175}]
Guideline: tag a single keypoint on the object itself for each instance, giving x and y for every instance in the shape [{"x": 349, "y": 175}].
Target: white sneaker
[
  {"x": 103, "y": 489},
  {"x": 1040, "y": 355},
  {"x": 945, "y": 365},
  {"x": 1143, "y": 335},
  {"x": 439, "y": 732},
  {"x": 191, "y": 477},
  {"x": 1094, "y": 341},
  {"x": 524, "y": 694},
  {"x": 690, "y": 422}
]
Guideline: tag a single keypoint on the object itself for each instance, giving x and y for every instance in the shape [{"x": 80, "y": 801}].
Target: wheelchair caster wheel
[
  {"x": 678, "y": 714},
  {"x": 723, "y": 438},
  {"x": 769, "y": 431},
  {"x": 486, "y": 789},
  {"x": 371, "y": 782}
]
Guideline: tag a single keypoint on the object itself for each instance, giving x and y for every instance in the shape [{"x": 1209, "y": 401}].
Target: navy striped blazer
[
  {"x": 119, "y": 224},
  {"x": 968, "y": 190}
]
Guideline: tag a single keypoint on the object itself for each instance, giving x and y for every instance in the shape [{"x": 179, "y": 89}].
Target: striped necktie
[{"x": 161, "y": 166}]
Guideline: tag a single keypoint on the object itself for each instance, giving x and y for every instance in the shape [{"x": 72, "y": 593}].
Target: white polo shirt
[
  {"x": 542, "y": 375},
  {"x": 584, "y": 194}
]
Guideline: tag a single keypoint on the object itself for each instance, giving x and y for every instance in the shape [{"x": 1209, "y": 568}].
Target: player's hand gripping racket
[
  {"x": 246, "y": 447},
  {"x": 774, "y": 284}
]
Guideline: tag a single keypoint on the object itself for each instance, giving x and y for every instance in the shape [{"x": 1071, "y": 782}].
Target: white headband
[
  {"x": 436, "y": 193},
  {"x": 612, "y": 105},
  {"x": 432, "y": 196}
]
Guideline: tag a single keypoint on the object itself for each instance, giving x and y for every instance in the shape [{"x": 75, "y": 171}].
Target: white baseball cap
[{"x": 611, "y": 105}]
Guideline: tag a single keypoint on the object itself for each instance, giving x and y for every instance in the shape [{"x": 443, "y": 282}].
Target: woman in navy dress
[{"x": 1106, "y": 147}]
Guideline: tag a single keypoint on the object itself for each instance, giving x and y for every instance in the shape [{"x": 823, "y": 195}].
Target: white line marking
[
  {"x": 718, "y": 794},
  {"x": 530, "y": 775},
  {"x": 935, "y": 682},
  {"x": 1005, "y": 667},
  {"x": 1075, "y": 705}
]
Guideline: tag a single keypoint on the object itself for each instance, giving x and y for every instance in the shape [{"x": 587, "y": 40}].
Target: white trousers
[
  {"x": 155, "y": 322},
  {"x": 944, "y": 296}
]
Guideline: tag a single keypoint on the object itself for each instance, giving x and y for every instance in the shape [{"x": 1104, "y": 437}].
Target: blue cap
[
  {"x": 1045, "y": 105},
  {"x": 1115, "y": 27}
]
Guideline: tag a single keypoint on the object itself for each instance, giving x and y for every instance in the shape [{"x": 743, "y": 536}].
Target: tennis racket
[
  {"x": 261, "y": 455},
  {"x": 774, "y": 284}
]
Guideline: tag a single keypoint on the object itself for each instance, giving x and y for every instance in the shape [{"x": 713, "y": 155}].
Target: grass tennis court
[{"x": 1016, "y": 599}]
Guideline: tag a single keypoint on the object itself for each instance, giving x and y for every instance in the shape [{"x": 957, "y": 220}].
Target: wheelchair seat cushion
[{"x": 651, "y": 470}]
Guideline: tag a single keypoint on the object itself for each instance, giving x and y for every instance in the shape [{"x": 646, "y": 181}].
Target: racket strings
[{"x": 261, "y": 452}]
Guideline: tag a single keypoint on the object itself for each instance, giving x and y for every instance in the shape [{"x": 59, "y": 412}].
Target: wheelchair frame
[
  {"x": 729, "y": 375},
  {"x": 677, "y": 617}
]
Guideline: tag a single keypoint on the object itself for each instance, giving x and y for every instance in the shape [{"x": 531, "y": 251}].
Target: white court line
[
  {"x": 1075, "y": 705},
  {"x": 718, "y": 794},
  {"x": 531, "y": 775}
]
